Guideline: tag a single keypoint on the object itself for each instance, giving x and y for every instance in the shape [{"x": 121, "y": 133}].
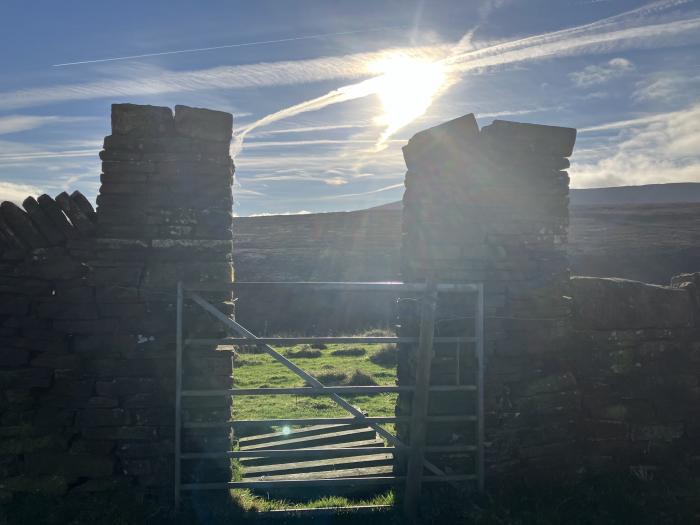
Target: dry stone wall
[
  {"x": 636, "y": 361},
  {"x": 88, "y": 363}
]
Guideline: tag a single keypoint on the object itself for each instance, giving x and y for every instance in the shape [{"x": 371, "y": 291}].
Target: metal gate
[{"x": 418, "y": 418}]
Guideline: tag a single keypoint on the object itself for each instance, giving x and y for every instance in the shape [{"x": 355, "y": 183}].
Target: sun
[{"x": 406, "y": 87}]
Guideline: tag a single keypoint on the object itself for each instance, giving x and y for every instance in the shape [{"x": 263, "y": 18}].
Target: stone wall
[
  {"x": 88, "y": 361},
  {"x": 636, "y": 363}
]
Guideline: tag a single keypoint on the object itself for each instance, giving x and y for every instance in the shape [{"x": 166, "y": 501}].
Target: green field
[{"x": 331, "y": 365}]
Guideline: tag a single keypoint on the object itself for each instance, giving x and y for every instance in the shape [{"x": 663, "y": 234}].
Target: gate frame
[{"x": 419, "y": 406}]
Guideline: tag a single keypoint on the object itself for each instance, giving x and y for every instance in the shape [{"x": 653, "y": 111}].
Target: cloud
[
  {"x": 599, "y": 74},
  {"x": 659, "y": 148},
  {"x": 17, "y": 123},
  {"x": 307, "y": 129},
  {"x": 330, "y": 177},
  {"x": 289, "y": 72},
  {"x": 370, "y": 192},
  {"x": 666, "y": 86},
  {"x": 10, "y": 191}
]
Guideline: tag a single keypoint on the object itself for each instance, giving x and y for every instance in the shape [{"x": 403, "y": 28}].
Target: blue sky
[{"x": 368, "y": 76}]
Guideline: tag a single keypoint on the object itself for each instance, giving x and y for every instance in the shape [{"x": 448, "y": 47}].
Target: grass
[
  {"x": 337, "y": 364},
  {"x": 385, "y": 356},
  {"x": 352, "y": 352},
  {"x": 248, "y": 501}
]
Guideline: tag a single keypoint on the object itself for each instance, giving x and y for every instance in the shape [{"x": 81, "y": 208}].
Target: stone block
[
  {"x": 142, "y": 120},
  {"x": 531, "y": 138},
  {"x": 51, "y": 232},
  {"x": 96, "y": 326},
  {"x": 203, "y": 124},
  {"x": 57, "y": 361},
  {"x": 120, "y": 433},
  {"x": 13, "y": 357},
  {"x": 25, "y": 378},
  {"x": 71, "y": 466},
  {"x": 22, "y": 226},
  {"x": 448, "y": 141},
  {"x": 52, "y": 485},
  {"x": 59, "y": 309},
  {"x": 103, "y": 417}
]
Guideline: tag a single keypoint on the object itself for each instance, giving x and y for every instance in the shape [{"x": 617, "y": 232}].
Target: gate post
[
  {"x": 419, "y": 412},
  {"x": 491, "y": 206},
  {"x": 163, "y": 216}
]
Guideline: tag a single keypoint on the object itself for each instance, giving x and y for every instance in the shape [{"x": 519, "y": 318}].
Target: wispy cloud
[
  {"x": 17, "y": 123},
  {"x": 306, "y": 129},
  {"x": 360, "y": 194},
  {"x": 599, "y": 74},
  {"x": 659, "y": 148}
]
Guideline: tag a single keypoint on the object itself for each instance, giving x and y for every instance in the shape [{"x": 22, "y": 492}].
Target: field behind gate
[{"x": 336, "y": 364}]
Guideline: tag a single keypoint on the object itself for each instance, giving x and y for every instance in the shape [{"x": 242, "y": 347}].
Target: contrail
[
  {"x": 608, "y": 31},
  {"x": 227, "y": 46}
]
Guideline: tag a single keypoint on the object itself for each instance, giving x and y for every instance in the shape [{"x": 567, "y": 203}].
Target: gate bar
[
  {"x": 326, "y": 390},
  {"x": 389, "y": 286},
  {"x": 479, "y": 335},
  {"x": 327, "y": 482},
  {"x": 325, "y": 421},
  {"x": 284, "y": 341},
  {"x": 178, "y": 394}
]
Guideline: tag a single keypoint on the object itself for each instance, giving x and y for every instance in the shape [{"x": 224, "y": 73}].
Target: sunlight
[{"x": 406, "y": 88}]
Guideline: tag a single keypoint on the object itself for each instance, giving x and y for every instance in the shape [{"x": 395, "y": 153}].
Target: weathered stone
[
  {"x": 619, "y": 304},
  {"x": 71, "y": 466},
  {"x": 54, "y": 212},
  {"x": 25, "y": 378},
  {"x": 51, "y": 232},
  {"x": 120, "y": 433},
  {"x": 203, "y": 124},
  {"x": 141, "y": 121},
  {"x": 12, "y": 357},
  {"x": 80, "y": 221},
  {"x": 51, "y": 485},
  {"x": 80, "y": 202},
  {"x": 21, "y": 225},
  {"x": 534, "y": 138}
]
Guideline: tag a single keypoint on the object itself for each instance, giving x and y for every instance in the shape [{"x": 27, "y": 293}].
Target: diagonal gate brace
[{"x": 315, "y": 383}]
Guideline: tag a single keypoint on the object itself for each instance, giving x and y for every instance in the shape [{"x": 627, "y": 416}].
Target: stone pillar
[
  {"x": 491, "y": 206},
  {"x": 164, "y": 214}
]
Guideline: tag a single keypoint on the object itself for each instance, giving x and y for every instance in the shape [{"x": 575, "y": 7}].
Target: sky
[{"x": 324, "y": 94}]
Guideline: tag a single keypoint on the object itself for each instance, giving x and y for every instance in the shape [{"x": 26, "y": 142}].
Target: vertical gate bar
[
  {"x": 419, "y": 412},
  {"x": 479, "y": 333},
  {"x": 178, "y": 393}
]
